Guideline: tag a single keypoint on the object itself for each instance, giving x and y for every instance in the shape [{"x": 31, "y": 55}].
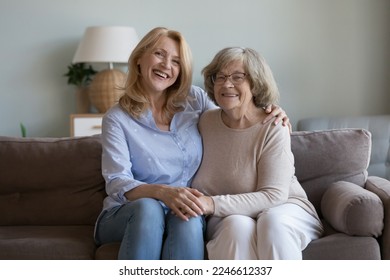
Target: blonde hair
[
  {"x": 263, "y": 85},
  {"x": 135, "y": 100}
]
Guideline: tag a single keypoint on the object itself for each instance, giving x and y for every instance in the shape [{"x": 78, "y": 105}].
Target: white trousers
[{"x": 278, "y": 233}]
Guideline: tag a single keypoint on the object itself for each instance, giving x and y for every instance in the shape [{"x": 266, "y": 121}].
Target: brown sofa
[{"x": 51, "y": 192}]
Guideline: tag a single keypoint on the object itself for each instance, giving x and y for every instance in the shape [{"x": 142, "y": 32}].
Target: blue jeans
[{"x": 147, "y": 233}]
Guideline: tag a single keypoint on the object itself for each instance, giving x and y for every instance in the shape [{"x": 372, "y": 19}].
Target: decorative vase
[{"x": 106, "y": 89}]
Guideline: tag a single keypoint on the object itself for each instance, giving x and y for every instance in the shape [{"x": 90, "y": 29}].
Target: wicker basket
[{"x": 106, "y": 89}]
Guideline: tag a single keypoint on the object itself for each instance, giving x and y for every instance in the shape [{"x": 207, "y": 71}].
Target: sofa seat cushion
[
  {"x": 326, "y": 248},
  {"x": 47, "y": 242},
  {"x": 353, "y": 210},
  {"x": 341, "y": 246},
  {"x": 108, "y": 251}
]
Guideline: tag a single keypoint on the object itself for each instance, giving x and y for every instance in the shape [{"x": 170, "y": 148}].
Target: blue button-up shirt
[{"x": 136, "y": 151}]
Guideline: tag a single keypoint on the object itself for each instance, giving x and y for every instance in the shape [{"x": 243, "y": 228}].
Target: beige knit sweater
[{"x": 247, "y": 170}]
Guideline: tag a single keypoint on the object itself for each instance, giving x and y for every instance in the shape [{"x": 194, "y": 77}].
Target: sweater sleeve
[{"x": 275, "y": 172}]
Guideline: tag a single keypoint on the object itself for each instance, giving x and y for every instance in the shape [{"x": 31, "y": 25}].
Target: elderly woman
[{"x": 257, "y": 208}]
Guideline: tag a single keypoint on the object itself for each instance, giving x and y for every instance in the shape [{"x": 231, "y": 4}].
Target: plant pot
[{"x": 83, "y": 103}]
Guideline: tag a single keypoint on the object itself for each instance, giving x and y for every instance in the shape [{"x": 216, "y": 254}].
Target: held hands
[
  {"x": 184, "y": 202},
  {"x": 208, "y": 204}
]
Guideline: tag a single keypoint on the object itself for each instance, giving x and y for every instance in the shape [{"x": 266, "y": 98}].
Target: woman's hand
[
  {"x": 184, "y": 202},
  {"x": 208, "y": 205},
  {"x": 279, "y": 113}
]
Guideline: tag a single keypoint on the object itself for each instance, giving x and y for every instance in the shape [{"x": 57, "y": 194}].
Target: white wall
[{"x": 328, "y": 56}]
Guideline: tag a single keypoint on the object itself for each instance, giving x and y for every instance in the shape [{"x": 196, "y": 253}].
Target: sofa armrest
[
  {"x": 353, "y": 210},
  {"x": 381, "y": 187}
]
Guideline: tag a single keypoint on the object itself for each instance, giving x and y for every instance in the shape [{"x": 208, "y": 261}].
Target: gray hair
[{"x": 263, "y": 85}]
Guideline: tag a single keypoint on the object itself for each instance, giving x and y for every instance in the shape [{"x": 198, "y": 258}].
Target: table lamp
[{"x": 106, "y": 44}]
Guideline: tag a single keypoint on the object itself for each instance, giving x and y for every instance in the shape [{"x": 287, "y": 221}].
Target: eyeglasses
[{"x": 235, "y": 78}]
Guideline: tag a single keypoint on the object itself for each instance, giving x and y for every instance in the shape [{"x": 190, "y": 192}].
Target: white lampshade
[{"x": 112, "y": 44}]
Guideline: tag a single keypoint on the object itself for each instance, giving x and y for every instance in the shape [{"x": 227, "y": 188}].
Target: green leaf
[
  {"x": 23, "y": 130},
  {"x": 79, "y": 74}
]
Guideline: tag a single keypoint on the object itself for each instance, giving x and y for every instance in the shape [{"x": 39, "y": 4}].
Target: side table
[{"x": 85, "y": 124}]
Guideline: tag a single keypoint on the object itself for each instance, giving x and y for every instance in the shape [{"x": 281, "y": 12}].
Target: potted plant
[{"x": 80, "y": 75}]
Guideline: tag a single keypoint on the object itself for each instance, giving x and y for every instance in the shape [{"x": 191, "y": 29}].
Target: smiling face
[
  {"x": 233, "y": 97},
  {"x": 160, "y": 66}
]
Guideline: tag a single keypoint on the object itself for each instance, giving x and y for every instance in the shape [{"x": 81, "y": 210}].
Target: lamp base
[{"x": 106, "y": 89}]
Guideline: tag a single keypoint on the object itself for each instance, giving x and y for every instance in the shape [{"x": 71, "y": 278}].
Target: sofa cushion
[
  {"x": 377, "y": 125},
  {"x": 47, "y": 181},
  {"x": 341, "y": 246},
  {"x": 353, "y": 210},
  {"x": 325, "y": 157},
  {"x": 47, "y": 242},
  {"x": 108, "y": 251}
]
